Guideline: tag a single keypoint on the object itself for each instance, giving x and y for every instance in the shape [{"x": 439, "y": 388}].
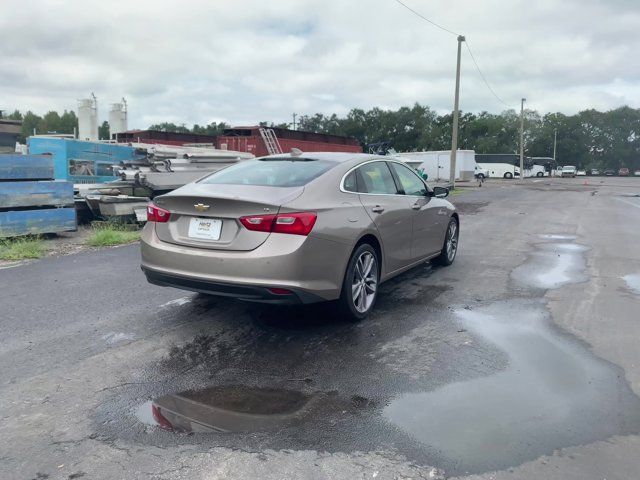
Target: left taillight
[{"x": 157, "y": 214}]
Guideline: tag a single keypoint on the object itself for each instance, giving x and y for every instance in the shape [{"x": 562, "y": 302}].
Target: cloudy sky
[{"x": 243, "y": 61}]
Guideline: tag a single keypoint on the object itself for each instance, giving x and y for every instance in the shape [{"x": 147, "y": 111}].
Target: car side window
[
  {"x": 409, "y": 180},
  {"x": 375, "y": 177},
  {"x": 350, "y": 182}
]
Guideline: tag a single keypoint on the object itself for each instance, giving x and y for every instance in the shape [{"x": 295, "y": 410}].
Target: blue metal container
[{"x": 78, "y": 161}]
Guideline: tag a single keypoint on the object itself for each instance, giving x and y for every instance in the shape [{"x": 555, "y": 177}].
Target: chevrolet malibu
[{"x": 299, "y": 228}]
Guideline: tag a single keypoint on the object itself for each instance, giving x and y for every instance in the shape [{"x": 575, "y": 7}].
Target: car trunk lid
[{"x": 207, "y": 215}]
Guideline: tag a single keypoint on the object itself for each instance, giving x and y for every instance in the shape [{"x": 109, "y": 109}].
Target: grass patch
[
  {"x": 21, "y": 248},
  {"x": 106, "y": 234},
  {"x": 457, "y": 191}
]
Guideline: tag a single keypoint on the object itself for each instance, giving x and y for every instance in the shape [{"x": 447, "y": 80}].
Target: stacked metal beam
[{"x": 30, "y": 201}]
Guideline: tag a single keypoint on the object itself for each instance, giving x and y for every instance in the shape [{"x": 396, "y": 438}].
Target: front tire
[
  {"x": 360, "y": 284},
  {"x": 539, "y": 174},
  {"x": 450, "y": 247},
  {"x": 508, "y": 175}
]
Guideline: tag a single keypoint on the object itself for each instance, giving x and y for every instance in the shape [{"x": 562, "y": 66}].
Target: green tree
[
  {"x": 170, "y": 127},
  {"x": 103, "y": 131},
  {"x": 30, "y": 123},
  {"x": 16, "y": 115},
  {"x": 51, "y": 123},
  {"x": 68, "y": 122}
]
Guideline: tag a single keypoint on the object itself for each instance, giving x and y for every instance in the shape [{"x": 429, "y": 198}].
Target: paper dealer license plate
[{"x": 205, "y": 228}]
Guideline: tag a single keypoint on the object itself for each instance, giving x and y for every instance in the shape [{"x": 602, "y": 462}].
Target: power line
[
  {"x": 426, "y": 19},
  {"x": 468, "y": 48},
  {"x": 483, "y": 77}
]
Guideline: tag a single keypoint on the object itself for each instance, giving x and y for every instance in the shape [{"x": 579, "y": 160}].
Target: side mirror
[{"x": 440, "y": 192}]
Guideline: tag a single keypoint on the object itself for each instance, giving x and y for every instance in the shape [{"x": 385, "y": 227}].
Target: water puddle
[
  {"x": 233, "y": 408},
  {"x": 552, "y": 265},
  {"x": 11, "y": 265},
  {"x": 557, "y": 236},
  {"x": 177, "y": 302},
  {"x": 633, "y": 282},
  {"x": 144, "y": 413},
  {"x": 555, "y": 393},
  {"x": 116, "y": 337}
]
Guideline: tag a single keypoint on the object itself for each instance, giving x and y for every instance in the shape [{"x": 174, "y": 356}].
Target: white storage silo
[
  {"x": 88, "y": 118},
  {"x": 118, "y": 118}
]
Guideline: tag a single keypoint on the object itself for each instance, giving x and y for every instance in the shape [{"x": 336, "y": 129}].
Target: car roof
[{"x": 338, "y": 157}]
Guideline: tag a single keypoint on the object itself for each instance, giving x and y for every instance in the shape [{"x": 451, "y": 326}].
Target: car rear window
[{"x": 271, "y": 172}]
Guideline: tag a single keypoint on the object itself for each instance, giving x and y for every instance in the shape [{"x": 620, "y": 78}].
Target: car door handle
[
  {"x": 377, "y": 209},
  {"x": 416, "y": 206}
]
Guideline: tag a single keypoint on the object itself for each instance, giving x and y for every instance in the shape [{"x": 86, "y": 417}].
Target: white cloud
[{"x": 245, "y": 61}]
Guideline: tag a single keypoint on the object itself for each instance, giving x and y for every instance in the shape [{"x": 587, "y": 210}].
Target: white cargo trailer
[{"x": 437, "y": 164}]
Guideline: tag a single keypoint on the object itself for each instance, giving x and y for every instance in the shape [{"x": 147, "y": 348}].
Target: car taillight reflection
[
  {"x": 159, "y": 418},
  {"x": 298, "y": 223},
  {"x": 157, "y": 214}
]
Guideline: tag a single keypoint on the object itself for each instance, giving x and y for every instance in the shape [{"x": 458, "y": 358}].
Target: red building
[
  {"x": 249, "y": 139},
  {"x": 164, "y": 138}
]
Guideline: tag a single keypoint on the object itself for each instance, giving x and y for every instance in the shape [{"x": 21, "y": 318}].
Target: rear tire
[
  {"x": 508, "y": 175},
  {"x": 539, "y": 174},
  {"x": 360, "y": 284},
  {"x": 450, "y": 247}
]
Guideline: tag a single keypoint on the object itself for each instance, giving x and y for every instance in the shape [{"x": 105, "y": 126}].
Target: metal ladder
[{"x": 270, "y": 141}]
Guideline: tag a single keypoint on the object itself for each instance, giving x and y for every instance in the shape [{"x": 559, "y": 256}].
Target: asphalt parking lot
[{"x": 521, "y": 360}]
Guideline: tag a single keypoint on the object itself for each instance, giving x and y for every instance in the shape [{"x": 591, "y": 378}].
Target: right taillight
[
  {"x": 296, "y": 223},
  {"x": 157, "y": 214}
]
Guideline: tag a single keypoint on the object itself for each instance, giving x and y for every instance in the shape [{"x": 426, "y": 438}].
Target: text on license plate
[{"x": 205, "y": 228}]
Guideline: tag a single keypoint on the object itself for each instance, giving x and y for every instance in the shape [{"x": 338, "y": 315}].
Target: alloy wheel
[
  {"x": 364, "y": 282},
  {"x": 452, "y": 241}
]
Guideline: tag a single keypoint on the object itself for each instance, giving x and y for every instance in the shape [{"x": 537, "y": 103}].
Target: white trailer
[{"x": 437, "y": 164}]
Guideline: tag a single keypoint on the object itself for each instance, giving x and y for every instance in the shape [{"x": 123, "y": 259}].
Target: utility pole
[
  {"x": 456, "y": 112},
  {"x": 555, "y": 142},
  {"x": 522, "y": 139},
  {"x": 294, "y": 121}
]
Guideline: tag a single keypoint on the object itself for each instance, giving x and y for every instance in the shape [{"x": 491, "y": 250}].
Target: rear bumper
[
  {"x": 251, "y": 293},
  {"x": 311, "y": 267}
]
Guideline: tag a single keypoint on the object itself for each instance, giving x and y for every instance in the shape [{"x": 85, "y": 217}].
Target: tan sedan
[{"x": 300, "y": 228}]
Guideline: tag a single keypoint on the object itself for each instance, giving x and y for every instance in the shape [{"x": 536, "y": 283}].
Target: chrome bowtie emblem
[{"x": 201, "y": 207}]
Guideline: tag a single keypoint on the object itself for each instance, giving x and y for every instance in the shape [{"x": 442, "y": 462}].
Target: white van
[
  {"x": 500, "y": 170},
  {"x": 481, "y": 173},
  {"x": 535, "y": 171}
]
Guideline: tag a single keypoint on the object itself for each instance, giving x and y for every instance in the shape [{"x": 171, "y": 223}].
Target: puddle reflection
[
  {"x": 540, "y": 403},
  {"x": 552, "y": 265},
  {"x": 633, "y": 282},
  {"x": 244, "y": 409}
]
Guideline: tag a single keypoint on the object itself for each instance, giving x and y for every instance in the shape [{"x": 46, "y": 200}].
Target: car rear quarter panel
[{"x": 341, "y": 217}]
